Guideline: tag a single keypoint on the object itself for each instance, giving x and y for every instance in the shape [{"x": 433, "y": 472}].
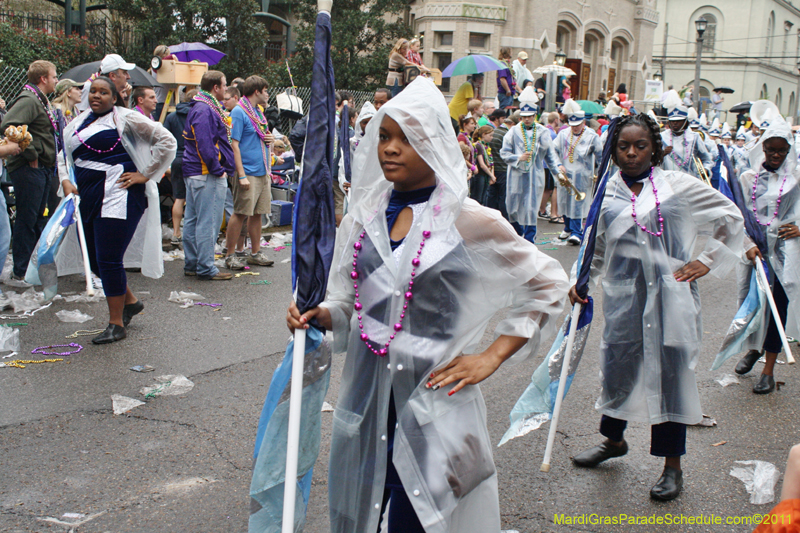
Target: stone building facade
[{"x": 607, "y": 42}]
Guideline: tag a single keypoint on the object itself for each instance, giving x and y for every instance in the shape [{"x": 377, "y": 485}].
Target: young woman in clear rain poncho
[
  {"x": 646, "y": 236},
  {"x": 418, "y": 273},
  {"x": 772, "y": 185}
]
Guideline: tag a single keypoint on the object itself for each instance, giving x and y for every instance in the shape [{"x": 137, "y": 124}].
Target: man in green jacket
[{"x": 32, "y": 172}]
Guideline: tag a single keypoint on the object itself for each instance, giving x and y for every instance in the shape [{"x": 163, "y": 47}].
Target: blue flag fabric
[
  {"x": 269, "y": 457},
  {"x": 724, "y": 167},
  {"x": 746, "y": 329},
  {"x": 314, "y": 224},
  {"x": 313, "y": 233},
  {"x": 751, "y": 226},
  {"x": 344, "y": 141},
  {"x": 42, "y": 268},
  {"x": 535, "y": 406}
]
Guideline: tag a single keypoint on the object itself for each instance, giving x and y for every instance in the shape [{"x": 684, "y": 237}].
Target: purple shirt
[{"x": 505, "y": 73}]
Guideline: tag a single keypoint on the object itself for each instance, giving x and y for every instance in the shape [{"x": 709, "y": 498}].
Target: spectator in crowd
[
  {"x": 382, "y": 96},
  {"x": 163, "y": 52},
  {"x": 32, "y": 171},
  {"x": 470, "y": 90},
  {"x": 397, "y": 64},
  {"x": 207, "y": 162},
  {"x": 114, "y": 153},
  {"x": 622, "y": 93},
  {"x": 475, "y": 109},
  {"x": 497, "y": 190},
  {"x": 716, "y": 102},
  {"x": 143, "y": 100},
  {"x": 251, "y": 186},
  {"x": 488, "y": 109},
  {"x": 506, "y": 87},
  {"x": 479, "y": 185},
  {"x": 117, "y": 70},
  {"x": 68, "y": 95},
  {"x": 413, "y": 53},
  {"x": 550, "y": 190},
  {"x": 175, "y": 123},
  {"x": 231, "y": 98},
  {"x": 467, "y": 126},
  {"x": 238, "y": 83},
  {"x": 601, "y": 98},
  {"x": 521, "y": 72}
]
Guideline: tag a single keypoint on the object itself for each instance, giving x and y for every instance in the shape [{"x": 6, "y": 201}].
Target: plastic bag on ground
[
  {"x": 172, "y": 255},
  {"x": 9, "y": 339},
  {"x": 727, "y": 379},
  {"x": 166, "y": 232},
  {"x": 181, "y": 297},
  {"x": 123, "y": 404},
  {"x": 27, "y": 301},
  {"x": 280, "y": 239},
  {"x": 84, "y": 298},
  {"x": 759, "y": 478},
  {"x": 168, "y": 385},
  {"x": 73, "y": 316}
]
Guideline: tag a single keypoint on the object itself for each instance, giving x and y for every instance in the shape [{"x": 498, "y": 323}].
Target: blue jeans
[
  {"x": 5, "y": 230},
  {"x": 31, "y": 189},
  {"x": 497, "y": 194},
  {"x": 505, "y": 101},
  {"x": 205, "y": 198},
  {"x": 573, "y": 226}
]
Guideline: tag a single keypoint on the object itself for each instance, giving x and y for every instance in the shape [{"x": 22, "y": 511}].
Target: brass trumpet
[
  {"x": 567, "y": 184},
  {"x": 701, "y": 171}
]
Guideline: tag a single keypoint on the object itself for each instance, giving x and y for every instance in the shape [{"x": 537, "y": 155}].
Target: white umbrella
[{"x": 558, "y": 70}]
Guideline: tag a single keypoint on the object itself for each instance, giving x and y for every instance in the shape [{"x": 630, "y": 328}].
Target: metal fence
[
  {"x": 11, "y": 81},
  {"x": 95, "y": 31},
  {"x": 304, "y": 93}
]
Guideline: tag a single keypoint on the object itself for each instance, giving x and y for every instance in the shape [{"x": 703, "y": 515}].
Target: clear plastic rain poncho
[
  {"x": 586, "y": 154},
  {"x": 525, "y": 181},
  {"x": 784, "y": 255},
  {"x": 652, "y": 335},
  {"x": 473, "y": 264},
  {"x": 151, "y": 148},
  {"x": 685, "y": 148}
]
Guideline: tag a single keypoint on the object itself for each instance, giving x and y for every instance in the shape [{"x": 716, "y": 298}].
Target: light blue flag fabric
[
  {"x": 269, "y": 460},
  {"x": 747, "y": 327},
  {"x": 42, "y": 268}
]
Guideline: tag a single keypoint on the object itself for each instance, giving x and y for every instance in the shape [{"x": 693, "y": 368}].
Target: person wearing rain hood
[
  {"x": 418, "y": 273},
  {"x": 525, "y": 148},
  {"x": 740, "y": 157},
  {"x": 580, "y": 150},
  {"x": 367, "y": 112},
  {"x": 647, "y": 229},
  {"x": 700, "y": 125},
  {"x": 727, "y": 139},
  {"x": 770, "y": 189},
  {"x": 681, "y": 144}
]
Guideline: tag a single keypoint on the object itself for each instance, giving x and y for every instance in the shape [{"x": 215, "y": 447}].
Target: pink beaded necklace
[
  {"x": 658, "y": 210},
  {"x": 777, "y": 206},
  {"x": 409, "y": 295},
  {"x": 92, "y": 148},
  {"x": 681, "y": 162},
  {"x": 45, "y": 104}
]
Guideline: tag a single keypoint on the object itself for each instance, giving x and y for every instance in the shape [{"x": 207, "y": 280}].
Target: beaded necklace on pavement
[{"x": 208, "y": 99}]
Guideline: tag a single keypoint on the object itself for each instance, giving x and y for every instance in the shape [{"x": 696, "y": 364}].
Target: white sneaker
[
  {"x": 573, "y": 239},
  {"x": 564, "y": 235}
]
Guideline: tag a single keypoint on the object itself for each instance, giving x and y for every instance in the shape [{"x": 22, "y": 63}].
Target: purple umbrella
[{"x": 196, "y": 52}]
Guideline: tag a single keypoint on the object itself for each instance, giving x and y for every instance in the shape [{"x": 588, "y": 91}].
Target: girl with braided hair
[{"x": 646, "y": 234}]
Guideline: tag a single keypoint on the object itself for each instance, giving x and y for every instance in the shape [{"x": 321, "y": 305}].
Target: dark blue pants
[
  {"x": 106, "y": 242},
  {"x": 497, "y": 194},
  {"x": 479, "y": 188},
  {"x": 402, "y": 516},
  {"x": 31, "y": 189},
  {"x": 526, "y": 232},
  {"x": 666, "y": 440},
  {"x": 505, "y": 101},
  {"x": 573, "y": 226},
  {"x": 772, "y": 342}
]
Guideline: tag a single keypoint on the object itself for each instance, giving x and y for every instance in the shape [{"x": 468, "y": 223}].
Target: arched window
[
  {"x": 764, "y": 93},
  {"x": 778, "y": 99},
  {"x": 770, "y": 32},
  {"x": 792, "y": 110},
  {"x": 709, "y": 37}
]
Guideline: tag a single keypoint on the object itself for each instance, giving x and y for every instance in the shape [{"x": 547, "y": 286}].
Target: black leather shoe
[
  {"x": 113, "y": 333},
  {"x": 131, "y": 310},
  {"x": 747, "y": 362},
  {"x": 594, "y": 456},
  {"x": 668, "y": 486},
  {"x": 765, "y": 385}
]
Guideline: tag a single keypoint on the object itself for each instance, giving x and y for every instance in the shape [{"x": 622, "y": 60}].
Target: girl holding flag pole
[
  {"x": 418, "y": 272},
  {"x": 646, "y": 233}
]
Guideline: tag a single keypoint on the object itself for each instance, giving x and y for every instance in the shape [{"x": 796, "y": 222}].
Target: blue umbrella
[
  {"x": 196, "y": 52},
  {"x": 287, "y": 441}
]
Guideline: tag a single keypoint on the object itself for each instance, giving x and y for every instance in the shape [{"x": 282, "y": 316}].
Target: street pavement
[{"x": 182, "y": 463}]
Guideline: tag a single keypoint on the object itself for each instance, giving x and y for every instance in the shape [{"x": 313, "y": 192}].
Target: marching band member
[
  {"x": 681, "y": 144},
  {"x": 525, "y": 148},
  {"x": 646, "y": 234},
  {"x": 740, "y": 159},
  {"x": 580, "y": 150}
]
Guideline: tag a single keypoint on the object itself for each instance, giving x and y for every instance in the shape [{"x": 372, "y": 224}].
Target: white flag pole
[
  {"x": 763, "y": 276},
  {"x": 562, "y": 383},
  {"x": 82, "y": 238},
  {"x": 293, "y": 441}
]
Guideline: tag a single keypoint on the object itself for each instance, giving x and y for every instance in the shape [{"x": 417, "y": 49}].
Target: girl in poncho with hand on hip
[
  {"x": 646, "y": 235},
  {"x": 418, "y": 273}
]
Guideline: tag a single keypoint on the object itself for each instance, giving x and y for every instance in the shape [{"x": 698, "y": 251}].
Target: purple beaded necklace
[
  {"x": 92, "y": 148},
  {"x": 409, "y": 295},
  {"x": 45, "y": 104},
  {"x": 777, "y": 206},
  {"x": 658, "y": 210}
]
